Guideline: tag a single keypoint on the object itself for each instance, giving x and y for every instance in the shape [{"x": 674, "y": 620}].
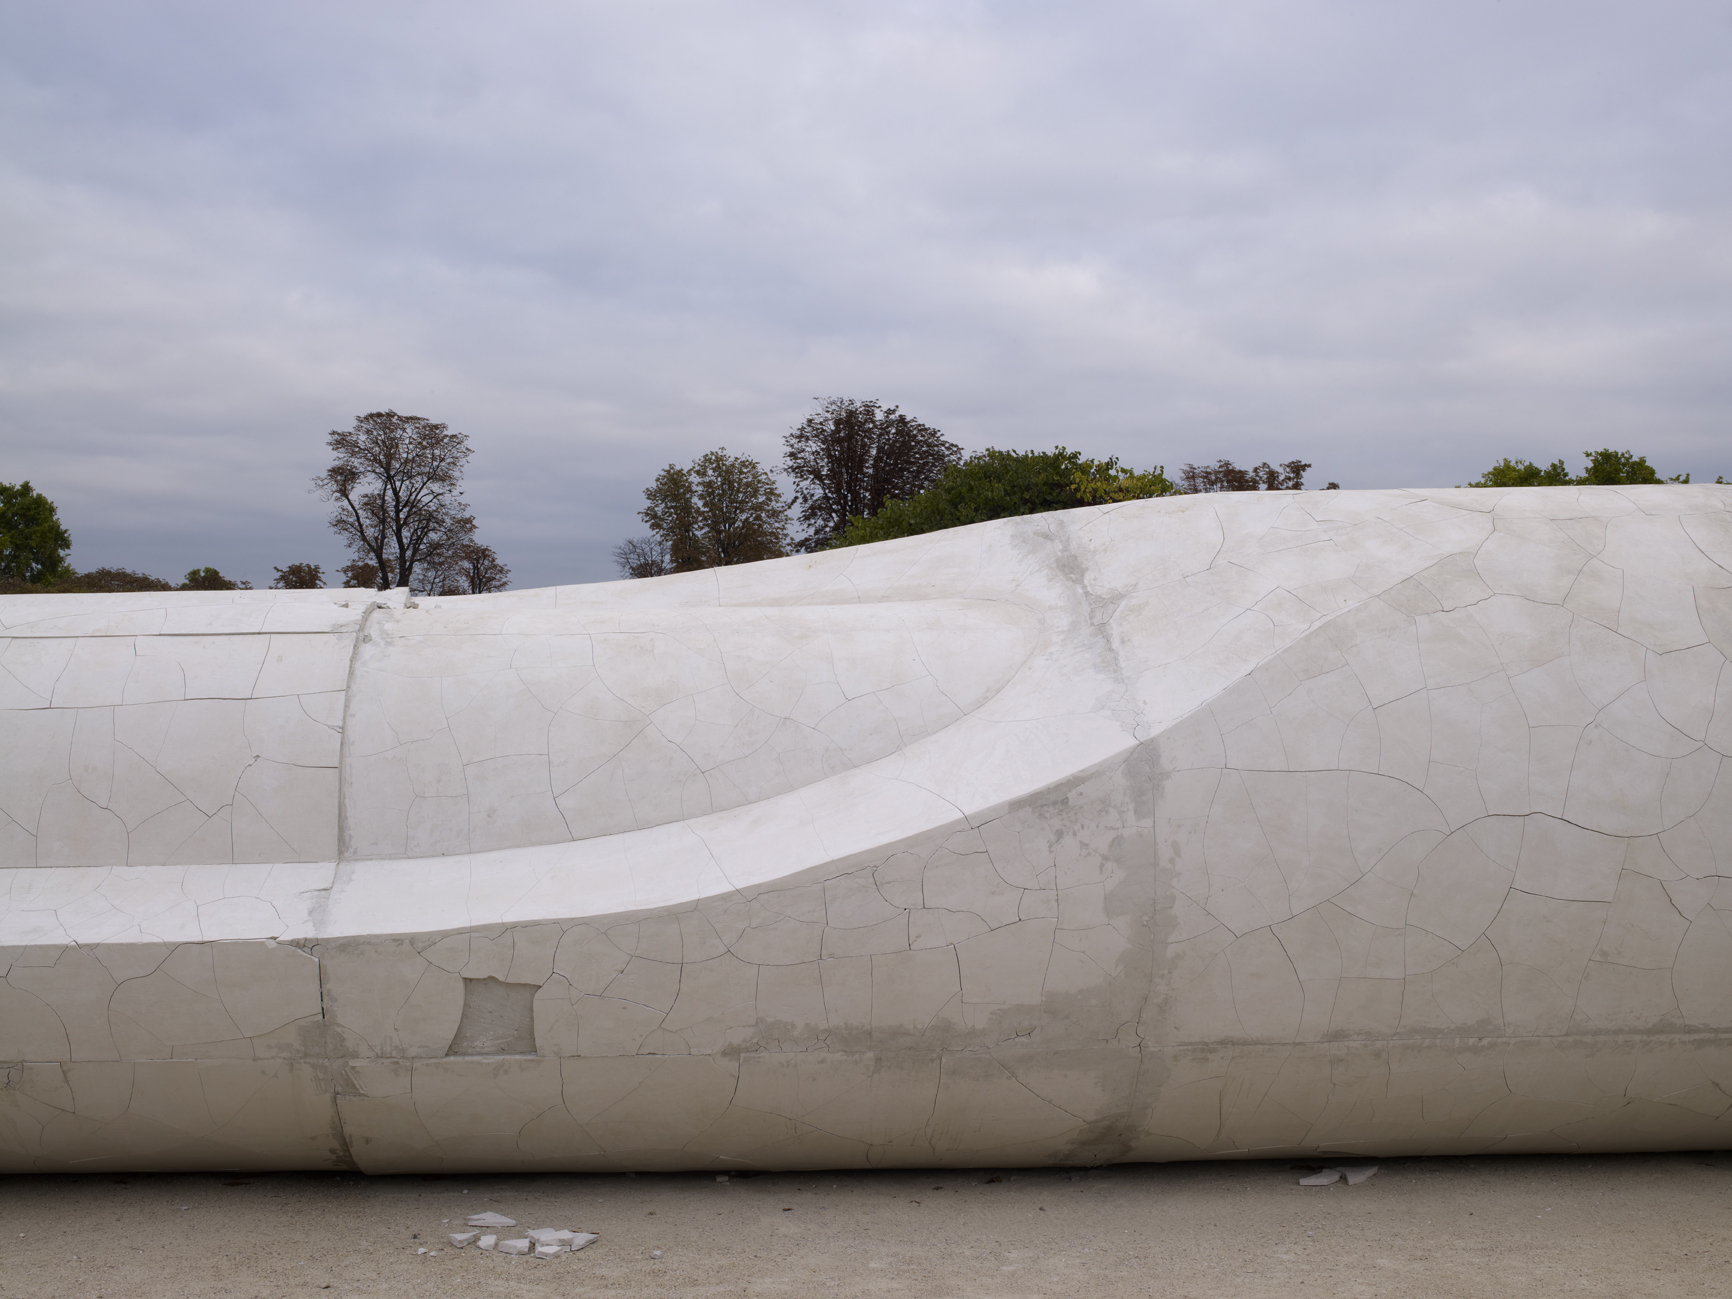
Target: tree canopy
[
  {"x": 100, "y": 581},
  {"x": 1225, "y": 476},
  {"x": 848, "y": 457},
  {"x": 397, "y": 488},
  {"x": 33, "y": 544},
  {"x": 465, "y": 567},
  {"x": 1606, "y": 468},
  {"x": 995, "y": 484},
  {"x": 721, "y": 510},
  {"x": 208, "y": 579},
  {"x": 299, "y": 577},
  {"x": 359, "y": 575}
]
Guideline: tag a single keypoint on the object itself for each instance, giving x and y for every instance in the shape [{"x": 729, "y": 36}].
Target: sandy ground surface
[{"x": 1588, "y": 1225}]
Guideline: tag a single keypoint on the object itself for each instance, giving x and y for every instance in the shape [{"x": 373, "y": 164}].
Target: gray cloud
[{"x": 1400, "y": 240}]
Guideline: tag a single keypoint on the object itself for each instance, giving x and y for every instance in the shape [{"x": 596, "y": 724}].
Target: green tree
[
  {"x": 299, "y": 577},
  {"x": 108, "y": 581},
  {"x": 1098, "y": 482},
  {"x": 1606, "y": 468},
  {"x": 1225, "y": 476},
  {"x": 359, "y": 575},
  {"x": 848, "y": 457},
  {"x": 208, "y": 579},
  {"x": 98, "y": 581},
  {"x": 994, "y": 484},
  {"x": 722, "y": 510},
  {"x": 1524, "y": 473},
  {"x": 33, "y": 544}
]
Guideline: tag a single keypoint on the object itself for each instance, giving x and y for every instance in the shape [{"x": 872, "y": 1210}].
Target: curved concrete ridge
[{"x": 1213, "y": 825}]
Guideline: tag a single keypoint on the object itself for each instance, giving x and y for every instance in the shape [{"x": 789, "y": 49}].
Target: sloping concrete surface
[{"x": 1243, "y": 825}]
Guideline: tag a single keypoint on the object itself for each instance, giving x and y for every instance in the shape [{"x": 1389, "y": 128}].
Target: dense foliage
[
  {"x": 1225, "y": 476},
  {"x": 1606, "y": 468},
  {"x": 721, "y": 510},
  {"x": 299, "y": 577},
  {"x": 33, "y": 548},
  {"x": 994, "y": 484},
  {"x": 33, "y": 544},
  {"x": 849, "y": 457},
  {"x": 208, "y": 579},
  {"x": 98, "y": 581}
]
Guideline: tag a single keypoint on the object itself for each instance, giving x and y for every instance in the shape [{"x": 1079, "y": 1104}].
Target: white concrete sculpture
[{"x": 1238, "y": 825}]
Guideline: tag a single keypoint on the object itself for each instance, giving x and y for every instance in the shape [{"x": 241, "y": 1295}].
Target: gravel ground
[{"x": 1627, "y": 1225}]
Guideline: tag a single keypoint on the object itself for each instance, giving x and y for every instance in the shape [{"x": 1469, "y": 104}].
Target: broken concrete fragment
[
  {"x": 463, "y": 1238},
  {"x": 514, "y": 1246},
  {"x": 580, "y": 1239},
  {"x": 549, "y": 1250},
  {"x": 1327, "y": 1177},
  {"x": 549, "y": 1235},
  {"x": 1357, "y": 1173},
  {"x": 487, "y": 1242},
  {"x": 490, "y": 1220}
]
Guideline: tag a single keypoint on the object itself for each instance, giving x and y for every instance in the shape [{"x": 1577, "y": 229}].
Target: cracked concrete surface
[{"x": 1246, "y": 825}]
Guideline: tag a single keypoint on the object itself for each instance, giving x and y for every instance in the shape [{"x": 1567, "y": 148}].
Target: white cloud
[{"x": 1399, "y": 241}]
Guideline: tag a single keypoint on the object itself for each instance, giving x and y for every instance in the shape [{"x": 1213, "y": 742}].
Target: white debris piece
[
  {"x": 490, "y": 1220},
  {"x": 1359, "y": 1173},
  {"x": 514, "y": 1246},
  {"x": 462, "y": 1238},
  {"x": 487, "y": 1242},
  {"x": 1327, "y": 1177},
  {"x": 549, "y": 1250},
  {"x": 549, "y": 1236},
  {"x": 582, "y": 1238},
  {"x": 420, "y": 1251}
]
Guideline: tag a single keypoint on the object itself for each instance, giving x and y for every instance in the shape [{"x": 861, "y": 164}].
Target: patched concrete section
[{"x": 498, "y": 1019}]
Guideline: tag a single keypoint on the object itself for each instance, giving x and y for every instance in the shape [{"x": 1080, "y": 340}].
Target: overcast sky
[{"x": 1398, "y": 240}]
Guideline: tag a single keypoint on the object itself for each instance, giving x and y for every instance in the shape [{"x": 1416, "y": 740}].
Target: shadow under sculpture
[{"x": 1240, "y": 825}]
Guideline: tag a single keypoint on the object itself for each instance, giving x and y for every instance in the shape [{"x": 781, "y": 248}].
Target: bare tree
[
  {"x": 642, "y": 557},
  {"x": 722, "y": 510},
  {"x": 1225, "y": 476},
  {"x": 848, "y": 457},
  {"x": 464, "y": 567},
  {"x": 397, "y": 486}
]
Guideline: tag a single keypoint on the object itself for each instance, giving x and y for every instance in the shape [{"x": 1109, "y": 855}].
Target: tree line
[
  {"x": 396, "y": 491},
  {"x": 1605, "y": 468},
  {"x": 863, "y": 472},
  {"x": 860, "y": 472}
]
